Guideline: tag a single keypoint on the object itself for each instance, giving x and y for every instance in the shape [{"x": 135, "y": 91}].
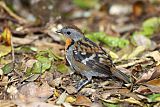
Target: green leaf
[
  {"x": 151, "y": 22},
  {"x": 26, "y": 49},
  {"x": 154, "y": 98},
  {"x": 85, "y": 4},
  {"x": 46, "y": 62},
  {"x": 8, "y": 68},
  {"x": 108, "y": 40},
  {"x": 136, "y": 52},
  {"x": 110, "y": 104},
  {"x": 36, "y": 68},
  {"x": 49, "y": 54},
  {"x": 150, "y": 26},
  {"x": 45, "y": 58},
  {"x": 4, "y": 50},
  {"x": 62, "y": 68}
]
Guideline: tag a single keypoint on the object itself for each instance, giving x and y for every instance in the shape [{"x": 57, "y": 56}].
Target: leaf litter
[{"x": 35, "y": 73}]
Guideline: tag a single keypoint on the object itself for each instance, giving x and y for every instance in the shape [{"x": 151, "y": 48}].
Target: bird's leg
[{"x": 82, "y": 83}]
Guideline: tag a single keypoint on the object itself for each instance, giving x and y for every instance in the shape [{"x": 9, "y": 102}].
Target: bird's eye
[{"x": 68, "y": 32}]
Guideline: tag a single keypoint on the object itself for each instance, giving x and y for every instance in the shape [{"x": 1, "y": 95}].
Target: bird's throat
[{"x": 68, "y": 43}]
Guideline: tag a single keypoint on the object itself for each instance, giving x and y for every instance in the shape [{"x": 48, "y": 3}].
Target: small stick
[{"x": 18, "y": 18}]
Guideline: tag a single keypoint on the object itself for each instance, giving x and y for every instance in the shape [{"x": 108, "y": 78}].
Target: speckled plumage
[{"x": 87, "y": 58}]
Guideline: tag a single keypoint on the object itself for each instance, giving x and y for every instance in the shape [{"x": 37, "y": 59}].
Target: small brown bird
[{"x": 87, "y": 58}]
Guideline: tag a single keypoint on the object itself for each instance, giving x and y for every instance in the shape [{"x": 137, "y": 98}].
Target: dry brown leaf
[
  {"x": 148, "y": 89},
  {"x": 129, "y": 100},
  {"x": 22, "y": 41},
  {"x": 62, "y": 98},
  {"x": 42, "y": 45},
  {"x": 138, "y": 8},
  {"x": 31, "y": 92},
  {"x": 132, "y": 95},
  {"x": 134, "y": 62},
  {"x": 56, "y": 82},
  {"x": 155, "y": 55},
  {"x": 150, "y": 75},
  {"x": 47, "y": 76},
  {"x": 154, "y": 85},
  {"x": 7, "y": 103},
  {"x": 83, "y": 101},
  {"x": 107, "y": 93},
  {"x": 153, "y": 89},
  {"x": 45, "y": 91},
  {"x": 65, "y": 104},
  {"x": 38, "y": 104},
  {"x": 71, "y": 89},
  {"x": 143, "y": 90},
  {"x": 89, "y": 91},
  {"x": 133, "y": 101},
  {"x": 96, "y": 105},
  {"x": 145, "y": 77},
  {"x": 4, "y": 81},
  {"x": 155, "y": 82},
  {"x": 156, "y": 73},
  {"x": 6, "y": 36}
]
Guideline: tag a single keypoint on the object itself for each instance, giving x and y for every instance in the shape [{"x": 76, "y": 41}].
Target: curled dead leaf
[
  {"x": 150, "y": 75},
  {"x": 155, "y": 82},
  {"x": 143, "y": 90},
  {"x": 83, "y": 101},
  {"x": 62, "y": 98},
  {"x": 6, "y": 36},
  {"x": 153, "y": 89},
  {"x": 138, "y": 8}
]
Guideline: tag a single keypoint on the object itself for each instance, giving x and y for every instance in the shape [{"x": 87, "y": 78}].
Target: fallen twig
[
  {"x": 134, "y": 63},
  {"x": 18, "y": 18}
]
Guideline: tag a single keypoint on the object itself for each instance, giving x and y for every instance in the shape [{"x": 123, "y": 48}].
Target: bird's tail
[{"x": 120, "y": 75}]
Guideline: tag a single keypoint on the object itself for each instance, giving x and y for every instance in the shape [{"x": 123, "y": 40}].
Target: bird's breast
[{"x": 69, "y": 55}]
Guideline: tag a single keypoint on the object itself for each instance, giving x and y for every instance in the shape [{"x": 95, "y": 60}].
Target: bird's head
[{"x": 71, "y": 32}]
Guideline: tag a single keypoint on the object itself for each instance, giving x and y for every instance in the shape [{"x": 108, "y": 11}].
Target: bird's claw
[{"x": 81, "y": 83}]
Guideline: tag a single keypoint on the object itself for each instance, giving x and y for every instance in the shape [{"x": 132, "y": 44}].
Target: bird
[{"x": 87, "y": 58}]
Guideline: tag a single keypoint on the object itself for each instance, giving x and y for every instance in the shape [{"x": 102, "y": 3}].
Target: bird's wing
[{"x": 93, "y": 56}]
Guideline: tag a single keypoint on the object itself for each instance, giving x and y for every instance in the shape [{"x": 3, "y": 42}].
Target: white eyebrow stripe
[{"x": 87, "y": 59}]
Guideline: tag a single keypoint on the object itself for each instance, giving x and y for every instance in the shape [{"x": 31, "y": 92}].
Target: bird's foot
[{"x": 81, "y": 84}]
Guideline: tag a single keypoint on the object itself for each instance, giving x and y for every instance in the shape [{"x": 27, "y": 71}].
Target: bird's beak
[{"x": 58, "y": 31}]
